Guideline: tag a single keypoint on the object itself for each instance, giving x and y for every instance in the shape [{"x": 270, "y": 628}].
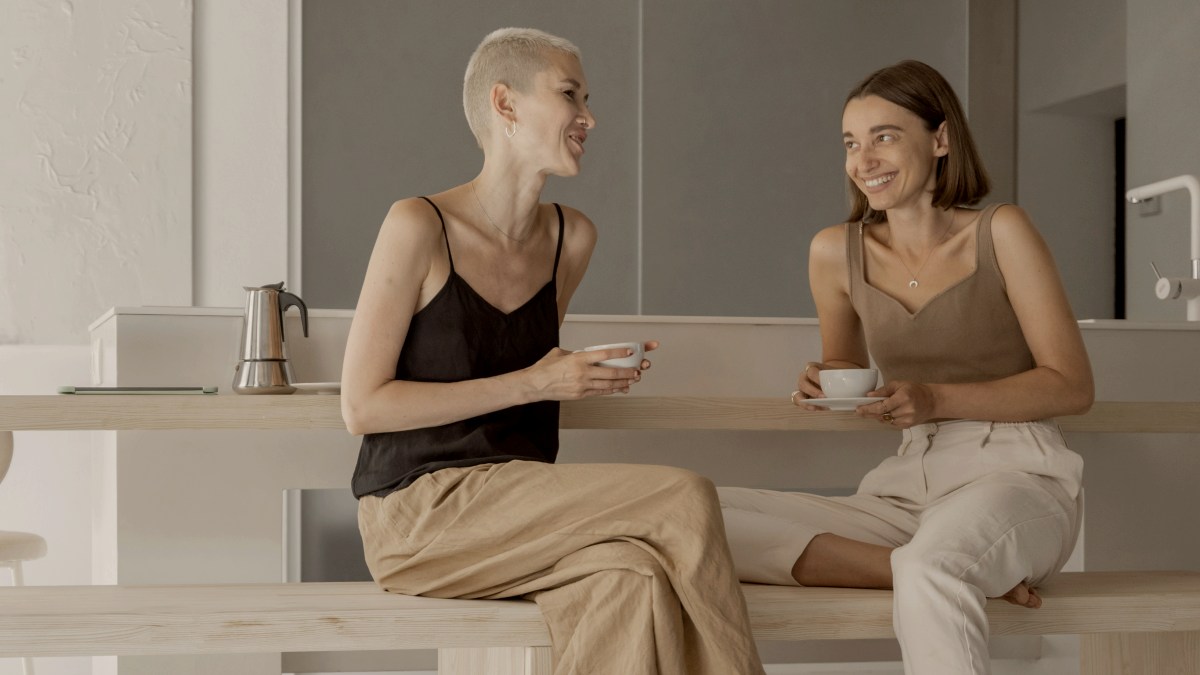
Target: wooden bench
[
  {"x": 1111, "y": 609},
  {"x": 1142, "y": 623}
]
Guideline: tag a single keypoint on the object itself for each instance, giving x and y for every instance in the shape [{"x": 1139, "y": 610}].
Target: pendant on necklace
[{"x": 913, "y": 284}]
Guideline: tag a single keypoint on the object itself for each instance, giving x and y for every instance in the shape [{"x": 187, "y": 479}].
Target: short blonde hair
[{"x": 511, "y": 56}]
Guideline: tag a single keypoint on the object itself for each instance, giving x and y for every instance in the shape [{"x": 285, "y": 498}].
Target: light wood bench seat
[
  {"x": 300, "y": 617},
  {"x": 1131, "y": 623}
]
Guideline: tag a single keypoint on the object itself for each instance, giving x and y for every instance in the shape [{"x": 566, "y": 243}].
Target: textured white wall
[
  {"x": 96, "y": 162},
  {"x": 95, "y": 211}
]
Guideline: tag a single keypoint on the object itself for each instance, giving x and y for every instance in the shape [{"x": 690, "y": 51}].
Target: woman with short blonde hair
[{"x": 453, "y": 374}]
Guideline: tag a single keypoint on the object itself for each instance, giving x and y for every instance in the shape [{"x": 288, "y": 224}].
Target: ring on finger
[
  {"x": 793, "y": 397},
  {"x": 887, "y": 417}
]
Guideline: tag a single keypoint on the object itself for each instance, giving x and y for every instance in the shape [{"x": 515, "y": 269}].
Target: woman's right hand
[
  {"x": 563, "y": 375},
  {"x": 808, "y": 385}
]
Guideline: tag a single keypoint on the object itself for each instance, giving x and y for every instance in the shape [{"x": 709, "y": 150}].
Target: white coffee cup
[
  {"x": 848, "y": 382},
  {"x": 632, "y": 361}
]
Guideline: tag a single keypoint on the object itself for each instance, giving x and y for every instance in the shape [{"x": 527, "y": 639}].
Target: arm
[
  {"x": 579, "y": 240},
  {"x": 843, "y": 344},
  {"x": 400, "y": 272},
  {"x": 1061, "y": 381}
]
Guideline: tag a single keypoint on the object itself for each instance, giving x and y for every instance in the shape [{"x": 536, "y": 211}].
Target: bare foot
[{"x": 1024, "y": 596}]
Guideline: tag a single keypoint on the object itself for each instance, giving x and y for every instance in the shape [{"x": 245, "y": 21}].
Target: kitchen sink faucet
[{"x": 1168, "y": 288}]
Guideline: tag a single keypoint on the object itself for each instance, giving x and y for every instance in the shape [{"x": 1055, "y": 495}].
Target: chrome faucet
[{"x": 1167, "y": 288}]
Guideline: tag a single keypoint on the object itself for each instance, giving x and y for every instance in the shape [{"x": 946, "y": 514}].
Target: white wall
[
  {"x": 95, "y": 180},
  {"x": 241, "y": 149},
  {"x": 48, "y": 489},
  {"x": 96, "y": 210},
  {"x": 96, "y": 183}
]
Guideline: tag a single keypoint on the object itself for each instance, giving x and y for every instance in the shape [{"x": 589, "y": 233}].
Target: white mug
[
  {"x": 632, "y": 361},
  {"x": 848, "y": 382}
]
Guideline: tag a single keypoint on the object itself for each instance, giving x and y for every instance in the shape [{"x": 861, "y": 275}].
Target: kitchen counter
[
  {"x": 306, "y": 411},
  {"x": 198, "y": 506}
]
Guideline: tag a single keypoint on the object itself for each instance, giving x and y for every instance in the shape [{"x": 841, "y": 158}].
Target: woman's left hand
[{"x": 905, "y": 404}]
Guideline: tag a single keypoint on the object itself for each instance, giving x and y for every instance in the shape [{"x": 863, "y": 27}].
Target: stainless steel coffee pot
[{"x": 264, "y": 368}]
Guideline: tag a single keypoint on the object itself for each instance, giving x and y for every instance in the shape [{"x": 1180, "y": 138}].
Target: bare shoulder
[
  {"x": 408, "y": 243},
  {"x": 579, "y": 233},
  {"x": 829, "y": 245},
  {"x": 1013, "y": 228},
  {"x": 412, "y": 220},
  {"x": 576, "y": 223},
  {"x": 1023, "y": 255}
]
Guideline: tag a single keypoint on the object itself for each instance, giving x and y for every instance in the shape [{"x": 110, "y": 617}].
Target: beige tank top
[{"x": 966, "y": 333}]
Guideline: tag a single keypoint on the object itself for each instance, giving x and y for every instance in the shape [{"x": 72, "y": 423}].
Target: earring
[{"x": 512, "y": 132}]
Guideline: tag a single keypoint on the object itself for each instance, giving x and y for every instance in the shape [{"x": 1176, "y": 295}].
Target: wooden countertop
[{"x": 310, "y": 411}]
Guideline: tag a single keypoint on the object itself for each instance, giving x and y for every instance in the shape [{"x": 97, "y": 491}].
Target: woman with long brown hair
[{"x": 963, "y": 311}]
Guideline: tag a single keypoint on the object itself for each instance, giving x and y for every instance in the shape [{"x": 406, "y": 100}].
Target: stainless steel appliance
[{"x": 264, "y": 367}]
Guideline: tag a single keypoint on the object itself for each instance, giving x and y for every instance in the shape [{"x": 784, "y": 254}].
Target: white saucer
[
  {"x": 842, "y": 403},
  {"x": 319, "y": 387}
]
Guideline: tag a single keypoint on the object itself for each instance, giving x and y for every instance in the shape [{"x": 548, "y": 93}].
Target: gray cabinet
[{"x": 715, "y": 159}]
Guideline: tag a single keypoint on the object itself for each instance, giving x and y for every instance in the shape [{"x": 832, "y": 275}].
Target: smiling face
[
  {"x": 890, "y": 154},
  {"x": 554, "y": 117}
]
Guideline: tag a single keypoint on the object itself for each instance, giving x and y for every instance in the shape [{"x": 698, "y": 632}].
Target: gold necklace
[
  {"x": 914, "y": 283},
  {"x": 492, "y": 222}
]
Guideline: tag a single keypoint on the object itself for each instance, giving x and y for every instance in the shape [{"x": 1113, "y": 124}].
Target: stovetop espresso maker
[{"x": 264, "y": 367}]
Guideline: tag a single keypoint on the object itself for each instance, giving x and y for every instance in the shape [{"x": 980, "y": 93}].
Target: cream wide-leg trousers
[
  {"x": 972, "y": 508},
  {"x": 628, "y": 563}
]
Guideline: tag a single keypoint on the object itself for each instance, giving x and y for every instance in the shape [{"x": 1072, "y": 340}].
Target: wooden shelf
[
  {"x": 128, "y": 412},
  {"x": 132, "y": 412}
]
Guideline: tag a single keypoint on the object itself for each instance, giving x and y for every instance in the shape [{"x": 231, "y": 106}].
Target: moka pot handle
[{"x": 289, "y": 300}]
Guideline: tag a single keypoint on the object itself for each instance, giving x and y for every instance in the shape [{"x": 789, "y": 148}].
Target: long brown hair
[{"x": 920, "y": 89}]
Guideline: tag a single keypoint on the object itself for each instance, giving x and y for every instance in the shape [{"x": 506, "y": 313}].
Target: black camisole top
[{"x": 460, "y": 336}]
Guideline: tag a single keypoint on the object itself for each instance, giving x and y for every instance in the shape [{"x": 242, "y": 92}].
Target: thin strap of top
[
  {"x": 444, "y": 235},
  {"x": 557, "y": 251},
  {"x": 985, "y": 251}
]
